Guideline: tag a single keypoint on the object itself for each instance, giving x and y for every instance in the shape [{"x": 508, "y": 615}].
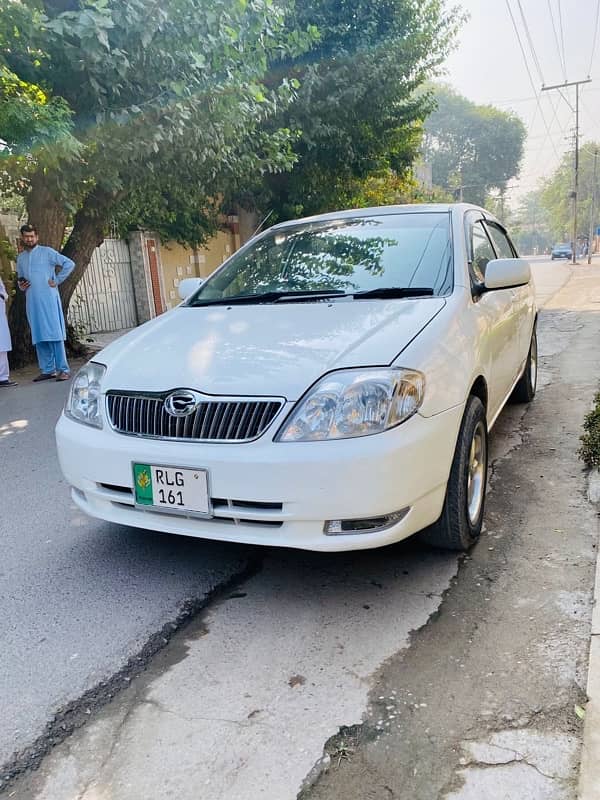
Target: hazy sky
[{"x": 488, "y": 67}]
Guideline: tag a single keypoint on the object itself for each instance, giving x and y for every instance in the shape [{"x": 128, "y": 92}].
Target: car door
[
  {"x": 496, "y": 320},
  {"x": 522, "y": 295}
]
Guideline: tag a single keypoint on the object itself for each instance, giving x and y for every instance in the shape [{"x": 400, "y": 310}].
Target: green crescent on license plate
[{"x": 175, "y": 489}]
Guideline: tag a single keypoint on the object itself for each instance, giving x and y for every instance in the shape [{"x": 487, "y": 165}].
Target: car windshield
[{"x": 343, "y": 256}]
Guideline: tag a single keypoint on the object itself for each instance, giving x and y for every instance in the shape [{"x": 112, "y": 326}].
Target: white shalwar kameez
[{"x": 5, "y": 342}]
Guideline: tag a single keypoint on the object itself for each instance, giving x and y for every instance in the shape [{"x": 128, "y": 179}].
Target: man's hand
[
  {"x": 23, "y": 284},
  {"x": 52, "y": 283}
]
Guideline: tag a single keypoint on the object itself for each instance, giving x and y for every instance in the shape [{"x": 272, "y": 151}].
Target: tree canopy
[
  {"x": 361, "y": 103},
  {"x": 175, "y": 89},
  {"x": 150, "y": 114},
  {"x": 476, "y": 147},
  {"x": 530, "y": 225},
  {"x": 556, "y": 194},
  {"x": 150, "y": 98}
]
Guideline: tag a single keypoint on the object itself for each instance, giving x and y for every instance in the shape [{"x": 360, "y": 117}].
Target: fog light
[{"x": 339, "y": 527}]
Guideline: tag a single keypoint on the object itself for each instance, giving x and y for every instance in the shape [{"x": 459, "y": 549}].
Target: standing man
[
  {"x": 5, "y": 343},
  {"x": 40, "y": 271}
]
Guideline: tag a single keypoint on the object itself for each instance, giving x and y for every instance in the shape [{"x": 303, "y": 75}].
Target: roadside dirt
[{"x": 504, "y": 660}]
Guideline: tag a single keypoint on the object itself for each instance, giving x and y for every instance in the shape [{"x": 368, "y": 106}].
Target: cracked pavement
[{"x": 401, "y": 673}]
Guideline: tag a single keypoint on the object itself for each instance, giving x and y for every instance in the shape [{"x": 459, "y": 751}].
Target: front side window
[
  {"x": 344, "y": 256},
  {"x": 500, "y": 240},
  {"x": 481, "y": 251}
]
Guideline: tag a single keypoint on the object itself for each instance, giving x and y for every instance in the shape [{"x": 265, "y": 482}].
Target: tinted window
[
  {"x": 500, "y": 240},
  {"x": 481, "y": 250},
  {"x": 356, "y": 254}
]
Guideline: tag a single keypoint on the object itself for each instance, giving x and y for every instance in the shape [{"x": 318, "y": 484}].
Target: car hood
[{"x": 263, "y": 350}]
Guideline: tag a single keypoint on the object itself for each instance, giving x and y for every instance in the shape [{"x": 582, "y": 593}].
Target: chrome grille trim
[{"x": 216, "y": 419}]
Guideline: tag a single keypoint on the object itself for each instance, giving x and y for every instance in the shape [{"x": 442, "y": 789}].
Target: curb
[{"x": 589, "y": 776}]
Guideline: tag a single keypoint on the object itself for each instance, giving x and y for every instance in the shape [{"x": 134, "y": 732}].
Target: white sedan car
[{"x": 330, "y": 387}]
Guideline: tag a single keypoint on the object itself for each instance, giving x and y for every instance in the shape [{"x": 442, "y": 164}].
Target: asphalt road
[{"x": 80, "y": 597}]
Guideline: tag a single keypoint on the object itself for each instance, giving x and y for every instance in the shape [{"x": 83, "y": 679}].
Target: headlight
[
  {"x": 83, "y": 402},
  {"x": 355, "y": 402}
]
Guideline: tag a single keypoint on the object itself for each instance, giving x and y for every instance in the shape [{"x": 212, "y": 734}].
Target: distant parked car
[
  {"x": 562, "y": 251},
  {"x": 330, "y": 387}
]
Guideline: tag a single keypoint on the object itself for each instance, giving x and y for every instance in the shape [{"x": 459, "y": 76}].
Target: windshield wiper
[
  {"x": 394, "y": 291},
  {"x": 267, "y": 297}
]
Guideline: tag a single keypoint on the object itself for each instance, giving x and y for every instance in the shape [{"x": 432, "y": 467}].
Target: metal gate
[{"x": 104, "y": 299}]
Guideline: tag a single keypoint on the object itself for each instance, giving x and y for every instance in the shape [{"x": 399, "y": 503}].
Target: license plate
[{"x": 171, "y": 488}]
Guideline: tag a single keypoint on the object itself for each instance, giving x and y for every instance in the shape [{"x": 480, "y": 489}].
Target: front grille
[{"x": 212, "y": 420}]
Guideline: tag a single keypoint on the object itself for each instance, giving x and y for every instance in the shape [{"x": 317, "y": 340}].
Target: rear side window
[
  {"x": 481, "y": 250},
  {"x": 501, "y": 241}
]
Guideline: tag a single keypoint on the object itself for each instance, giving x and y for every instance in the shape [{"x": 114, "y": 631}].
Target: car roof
[{"x": 407, "y": 208}]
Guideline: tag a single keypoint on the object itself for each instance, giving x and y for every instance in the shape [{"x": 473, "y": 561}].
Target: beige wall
[{"x": 180, "y": 262}]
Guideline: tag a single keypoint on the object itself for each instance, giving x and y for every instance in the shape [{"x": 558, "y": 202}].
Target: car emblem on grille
[{"x": 182, "y": 403}]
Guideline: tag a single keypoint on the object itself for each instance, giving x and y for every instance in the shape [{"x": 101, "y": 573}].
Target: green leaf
[{"x": 177, "y": 87}]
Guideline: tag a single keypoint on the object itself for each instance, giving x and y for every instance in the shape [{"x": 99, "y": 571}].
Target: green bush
[{"x": 589, "y": 451}]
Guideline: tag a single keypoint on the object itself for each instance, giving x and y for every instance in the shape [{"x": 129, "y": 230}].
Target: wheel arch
[{"x": 479, "y": 389}]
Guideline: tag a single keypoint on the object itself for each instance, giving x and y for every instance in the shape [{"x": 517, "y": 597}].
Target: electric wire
[
  {"x": 531, "y": 45},
  {"x": 531, "y": 81},
  {"x": 536, "y": 61},
  {"x": 560, "y": 58},
  {"x": 562, "y": 39},
  {"x": 595, "y": 39},
  {"x": 589, "y": 113},
  {"x": 566, "y": 99}
]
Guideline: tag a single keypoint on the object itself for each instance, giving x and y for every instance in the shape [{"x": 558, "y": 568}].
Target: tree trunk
[
  {"x": 23, "y": 352},
  {"x": 46, "y": 211},
  {"x": 86, "y": 236},
  {"x": 248, "y": 222}
]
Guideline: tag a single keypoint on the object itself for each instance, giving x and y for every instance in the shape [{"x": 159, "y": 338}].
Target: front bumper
[{"x": 271, "y": 493}]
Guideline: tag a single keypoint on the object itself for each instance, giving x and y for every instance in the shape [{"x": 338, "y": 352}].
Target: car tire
[
  {"x": 459, "y": 525},
  {"x": 524, "y": 391}
]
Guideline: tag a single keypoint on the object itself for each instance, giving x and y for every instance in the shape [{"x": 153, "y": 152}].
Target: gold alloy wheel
[
  {"x": 476, "y": 474},
  {"x": 533, "y": 363}
]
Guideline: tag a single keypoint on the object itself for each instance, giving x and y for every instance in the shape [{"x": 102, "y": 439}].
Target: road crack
[{"x": 77, "y": 713}]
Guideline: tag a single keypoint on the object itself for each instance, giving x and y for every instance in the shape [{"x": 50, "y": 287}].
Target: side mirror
[
  {"x": 188, "y": 286},
  {"x": 504, "y": 273}
]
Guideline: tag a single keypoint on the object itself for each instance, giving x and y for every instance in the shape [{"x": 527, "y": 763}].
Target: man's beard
[{"x": 28, "y": 246}]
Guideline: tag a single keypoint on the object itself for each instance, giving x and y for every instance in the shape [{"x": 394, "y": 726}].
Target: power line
[
  {"x": 530, "y": 40},
  {"x": 560, "y": 58},
  {"x": 537, "y": 65},
  {"x": 595, "y": 39},
  {"x": 567, "y": 101},
  {"x": 531, "y": 81},
  {"x": 589, "y": 152},
  {"x": 591, "y": 116},
  {"x": 562, "y": 40},
  {"x": 576, "y": 84}
]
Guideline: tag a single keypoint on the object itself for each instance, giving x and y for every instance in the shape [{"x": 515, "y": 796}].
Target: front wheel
[
  {"x": 459, "y": 525},
  {"x": 524, "y": 391}
]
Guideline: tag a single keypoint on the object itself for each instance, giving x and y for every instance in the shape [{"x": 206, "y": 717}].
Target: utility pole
[
  {"x": 560, "y": 86},
  {"x": 592, "y": 209}
]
